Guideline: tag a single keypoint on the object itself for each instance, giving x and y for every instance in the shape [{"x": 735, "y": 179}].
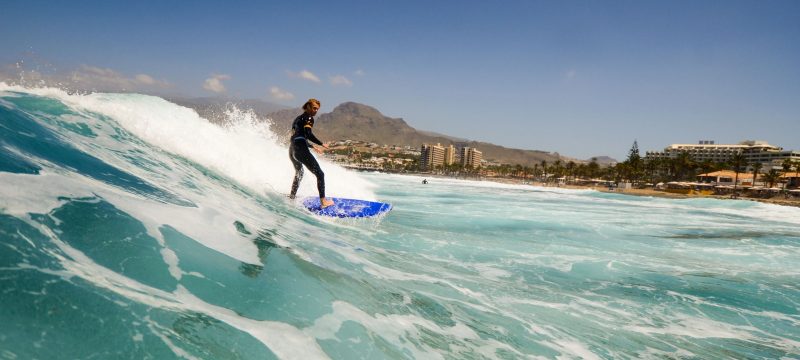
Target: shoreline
[
  {"x": 775, "y": 200},
  {"x": 794, "y": 202}
]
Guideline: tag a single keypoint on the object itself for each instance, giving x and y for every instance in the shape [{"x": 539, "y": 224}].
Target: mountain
[
  {"x": 435, "y": 134},
  {"x": 356, "y": 121},
  {"x": 361, "y": 122}
]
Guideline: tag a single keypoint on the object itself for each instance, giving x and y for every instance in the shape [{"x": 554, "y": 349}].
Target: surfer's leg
[
  {"x": 320, "y": 184},
  {"x": 304, "y": 156},
  {"x": 298, "y": 176},
  {"x": 313, "y": 166},
  {"x": 298, "y": 173}
]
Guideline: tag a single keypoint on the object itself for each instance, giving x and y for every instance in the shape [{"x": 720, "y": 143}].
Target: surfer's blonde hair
[{"x": 310, "y": 102}]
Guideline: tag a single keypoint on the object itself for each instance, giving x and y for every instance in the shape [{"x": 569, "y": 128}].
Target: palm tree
[
  {"x": 593, "y": 168},
  {"x": 557, "y": 170},
  {"x": 525, "y": 172},
  {"x": 651, "y": 169},
  {"x": 771, "y": 177},
  {"x": 756, "y": 168},
  {"x": 581, "y": 171},
  {"x": 682, "y": 164},
  {"x": 570, "y": 169},
  {"x": 544, "y": 170},
  {"x": 796, "y": 171},
  {"x": 738, "y": 161},
  {"x": 707, "y": 166},
  {"x": 786, "y": 165},
  {"x": 620, "y": 170}
]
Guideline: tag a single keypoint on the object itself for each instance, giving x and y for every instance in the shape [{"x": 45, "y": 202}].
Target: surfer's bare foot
[{"x": 325, "y": 202}]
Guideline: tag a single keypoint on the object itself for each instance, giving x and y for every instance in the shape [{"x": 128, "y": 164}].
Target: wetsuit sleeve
[{"x": 310, "y": 135}]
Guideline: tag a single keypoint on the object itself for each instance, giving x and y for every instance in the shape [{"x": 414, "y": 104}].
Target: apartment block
[
  {"x": 449, "y": 155},
  {"x": 471, "y": 157},
  {"x": 432, "y": 156}
]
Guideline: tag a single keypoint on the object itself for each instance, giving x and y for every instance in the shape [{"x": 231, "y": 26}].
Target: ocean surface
[{"x": 132, "y": 228}]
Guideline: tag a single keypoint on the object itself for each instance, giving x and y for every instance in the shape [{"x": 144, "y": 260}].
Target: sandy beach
[{"x": 777, "y": 200}]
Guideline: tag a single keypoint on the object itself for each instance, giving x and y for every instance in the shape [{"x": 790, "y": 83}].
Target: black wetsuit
[{"x": 300, "y": 154}]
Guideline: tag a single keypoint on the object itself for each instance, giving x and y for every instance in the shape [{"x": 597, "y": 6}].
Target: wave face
[{"x": 132, "y": 228}]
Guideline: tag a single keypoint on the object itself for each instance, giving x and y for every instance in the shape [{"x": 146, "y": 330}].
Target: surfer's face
[{"x": 312, "y": 110}]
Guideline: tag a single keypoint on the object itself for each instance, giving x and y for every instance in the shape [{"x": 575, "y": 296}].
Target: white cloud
[
  {"x": 85, "y": 77},
  {"x": 570, "y": 74},
  {"x": 104, "y": 78},
  {"x": 341, "y": 80},
  {"x": 306, "y": 75},
  {"x": 214, "y": 83},
  {"x": 145, "y": 79},
  {"x": 360, "y": 72},
  {"x": 280, "y": 94}
]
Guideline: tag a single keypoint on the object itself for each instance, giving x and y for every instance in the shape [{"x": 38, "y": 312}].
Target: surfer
[{"x": 302, "y": 139}]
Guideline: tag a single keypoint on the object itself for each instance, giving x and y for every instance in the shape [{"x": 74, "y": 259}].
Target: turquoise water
[{"x": 132, "y": 228}]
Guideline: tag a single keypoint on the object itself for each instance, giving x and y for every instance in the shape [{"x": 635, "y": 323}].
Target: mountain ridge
[{"x": 355, "y": 121}]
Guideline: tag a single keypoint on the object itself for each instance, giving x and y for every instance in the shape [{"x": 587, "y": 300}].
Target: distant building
[
  {"x": 449, "y": 155},
  {"x": 471, "y": 157},
  {"x": 460, "y": 145},
  {"x": 769, "y": 156},
  {"x": 431, "y": 156}
]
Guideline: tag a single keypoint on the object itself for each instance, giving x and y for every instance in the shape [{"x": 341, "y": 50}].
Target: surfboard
[{"x": 347, "y": 208}]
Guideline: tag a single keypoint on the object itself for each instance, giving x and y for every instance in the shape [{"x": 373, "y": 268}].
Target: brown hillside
[
  {"x": 361, "y": 122},
  {"x": 355, "y": 121}
]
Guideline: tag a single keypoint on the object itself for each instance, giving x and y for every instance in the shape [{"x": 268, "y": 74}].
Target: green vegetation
[
  {"x": 683, "y": 167},
  {"x": 638, "y": 170}
]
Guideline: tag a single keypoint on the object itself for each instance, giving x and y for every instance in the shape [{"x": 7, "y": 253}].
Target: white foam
[
  {"x": 574, "y": 348},
  {"x": 244, "y": 150},
  {"x": 701, "y": 328},
  {"x": 39, "y": 194},
  {"x": 286, "y": 341},
  {"x": 396, "y": 328},
  {"x": 492, "y": 272}
]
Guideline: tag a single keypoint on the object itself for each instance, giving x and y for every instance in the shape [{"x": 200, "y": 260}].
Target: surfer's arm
[{"x": 310, "y": 136}]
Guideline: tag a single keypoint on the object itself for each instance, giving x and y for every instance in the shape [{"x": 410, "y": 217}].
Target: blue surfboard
[{"x": 347, "y": 208}]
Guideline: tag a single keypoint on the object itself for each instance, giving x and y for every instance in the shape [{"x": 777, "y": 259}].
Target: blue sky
[{"x": 581, "y": 78}]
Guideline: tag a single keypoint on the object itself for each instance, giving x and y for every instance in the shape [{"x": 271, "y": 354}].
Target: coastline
[
  {"x": 775, "y": 200},
  {"x": 668, "y": 195}
]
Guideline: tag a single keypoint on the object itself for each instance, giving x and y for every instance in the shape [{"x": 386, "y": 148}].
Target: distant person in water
[{"x": 302, "y": 139}]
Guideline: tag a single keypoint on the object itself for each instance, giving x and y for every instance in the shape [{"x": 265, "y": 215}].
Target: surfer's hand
[{"x": 318, "y": 150}]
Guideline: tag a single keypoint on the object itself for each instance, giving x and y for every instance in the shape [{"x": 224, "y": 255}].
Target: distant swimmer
[
  {"x": 424, "y": 181},
  {"x": 302, "y": 139}
]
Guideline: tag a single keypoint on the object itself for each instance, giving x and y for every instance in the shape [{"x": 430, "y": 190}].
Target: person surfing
[{"x": 303, "y": 139}]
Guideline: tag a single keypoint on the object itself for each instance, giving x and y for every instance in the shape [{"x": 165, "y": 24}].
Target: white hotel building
[{"x": 769, "y": 156}]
